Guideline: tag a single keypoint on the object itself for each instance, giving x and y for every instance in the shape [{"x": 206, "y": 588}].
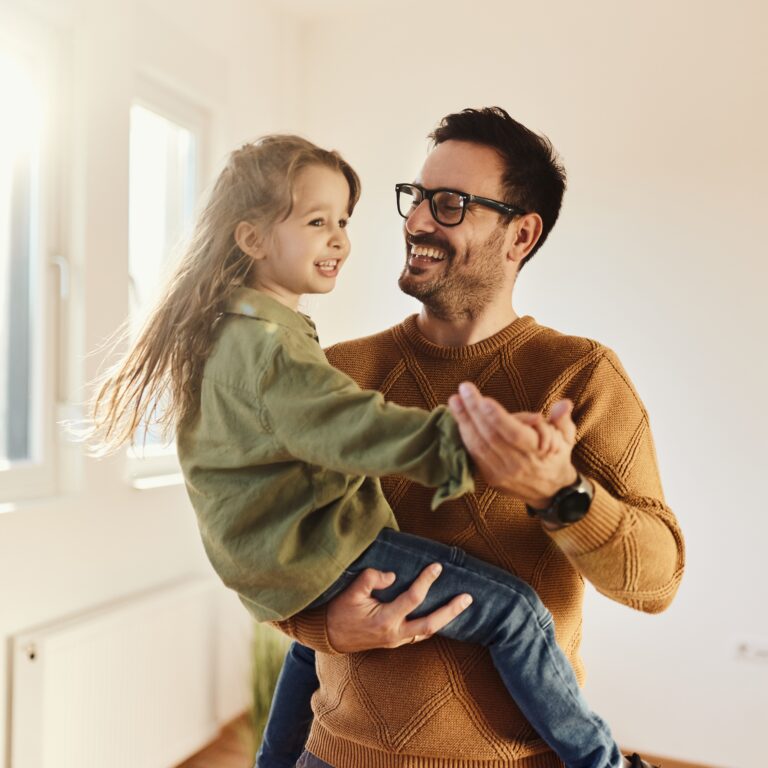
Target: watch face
[{"x": 573, "y": 506}]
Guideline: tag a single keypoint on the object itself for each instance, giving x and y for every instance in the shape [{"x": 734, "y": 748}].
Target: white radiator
[{"x": 132, "y": 685}]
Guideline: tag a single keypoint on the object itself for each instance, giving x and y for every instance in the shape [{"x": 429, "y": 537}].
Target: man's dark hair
[{"x": 534, "y": 178}]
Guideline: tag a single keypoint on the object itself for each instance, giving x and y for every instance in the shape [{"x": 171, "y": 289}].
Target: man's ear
[
  {"x": 525, "y": 232},
  {"x": 249, "y": 240}
]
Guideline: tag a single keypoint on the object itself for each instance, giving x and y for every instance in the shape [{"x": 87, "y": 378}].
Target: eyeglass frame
[{"x": 429, "y": 194}]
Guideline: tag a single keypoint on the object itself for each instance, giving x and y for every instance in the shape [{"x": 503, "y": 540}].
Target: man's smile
[
  {"x": 424, "y": 254},
  {"x": 427, "y": 252}
]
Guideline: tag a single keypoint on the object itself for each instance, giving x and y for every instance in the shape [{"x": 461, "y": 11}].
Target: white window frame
[
  {"x": 152, "y": 466},
  {"x": 25, "y": 35}
]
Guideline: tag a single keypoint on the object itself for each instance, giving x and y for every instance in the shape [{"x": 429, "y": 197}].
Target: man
[{"x": 488, "y": 195}]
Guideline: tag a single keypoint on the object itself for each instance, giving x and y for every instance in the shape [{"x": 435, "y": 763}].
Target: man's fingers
[
  {"x": 530, "y": 418},
  {"x": 559, "y": 409},
  {"x": 369, "y": 580},
  {"x": 414, "y": 596},
  {"x": 560, "y": 417},
  {"x": 481, "y": 413},
  {"x": 420, "y": 629},
  {"x": 469, "y": 434},
  {"x": 456, "y": 406},
  {"x": 416, "y": 630},
  {"x": 544, "y": 431},
  {"x": 357, "y": 621},
  {"x": 494, "y": 424}
]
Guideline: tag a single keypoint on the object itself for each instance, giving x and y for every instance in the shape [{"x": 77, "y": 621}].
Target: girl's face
[{"x": 305, "y": 252}]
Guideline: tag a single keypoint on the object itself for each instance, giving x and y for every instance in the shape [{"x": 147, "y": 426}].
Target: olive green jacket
[{"x": 282, "y": 460}]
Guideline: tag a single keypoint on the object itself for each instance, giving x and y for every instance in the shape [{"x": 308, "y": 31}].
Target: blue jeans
[
  {"x": 507, "y": 617},
  {"x": 290, "y": 714},
  {"x": 308, "y": 760}
]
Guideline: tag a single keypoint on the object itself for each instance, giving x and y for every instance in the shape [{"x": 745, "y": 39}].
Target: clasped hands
[{"x": 526, "y": 455}]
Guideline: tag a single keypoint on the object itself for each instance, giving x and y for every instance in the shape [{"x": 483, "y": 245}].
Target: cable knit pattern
[{"x": 440, "y": 704}]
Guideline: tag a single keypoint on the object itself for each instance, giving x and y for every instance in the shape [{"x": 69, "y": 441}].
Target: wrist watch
[{"x": 568, "y": 505}]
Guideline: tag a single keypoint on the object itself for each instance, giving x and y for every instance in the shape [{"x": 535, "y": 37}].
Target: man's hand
[
  {"x": 358, "y": 622},
  {"x": 522, "y": 454}
]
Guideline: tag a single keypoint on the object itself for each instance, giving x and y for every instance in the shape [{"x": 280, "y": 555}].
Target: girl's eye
[
  {"x": 316, "y": 223},
  {"x": 343, "y": 223}
]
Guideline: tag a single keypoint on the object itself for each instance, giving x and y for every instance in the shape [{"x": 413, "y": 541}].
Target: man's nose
[{"x": 420, "y": 219}]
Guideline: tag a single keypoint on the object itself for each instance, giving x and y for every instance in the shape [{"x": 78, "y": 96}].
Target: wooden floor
[
  {"x": 233, "y": 749},
  {"x": 667, "y": 762}
]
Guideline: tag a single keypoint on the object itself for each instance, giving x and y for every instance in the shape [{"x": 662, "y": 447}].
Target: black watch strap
[{"x": 569, "y": 504}]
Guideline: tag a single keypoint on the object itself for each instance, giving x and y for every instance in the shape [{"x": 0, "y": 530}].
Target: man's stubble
[{"x": 468, "y": 284}]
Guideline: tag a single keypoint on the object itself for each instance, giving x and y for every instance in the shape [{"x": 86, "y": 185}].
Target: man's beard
[{"x": 463, "y": 290}]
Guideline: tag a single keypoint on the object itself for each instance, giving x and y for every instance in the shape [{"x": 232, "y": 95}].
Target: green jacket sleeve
[{"x": 322, "y": 417}]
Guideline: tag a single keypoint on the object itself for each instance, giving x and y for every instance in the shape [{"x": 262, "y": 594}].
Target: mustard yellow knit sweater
[{"x": 440, "y": 703}]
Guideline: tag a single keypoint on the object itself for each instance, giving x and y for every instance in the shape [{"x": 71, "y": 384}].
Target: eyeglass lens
[{"x": 447, "y": 207}]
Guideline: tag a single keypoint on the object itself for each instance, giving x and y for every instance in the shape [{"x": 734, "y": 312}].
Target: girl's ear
[{"x": 248, "y": 239}]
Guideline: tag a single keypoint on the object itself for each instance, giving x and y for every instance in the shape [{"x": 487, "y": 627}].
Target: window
[
  {"x": 27, "y": 309},
  {"x": 162, "y": 197},
  {"x": 165, "y": 151}
]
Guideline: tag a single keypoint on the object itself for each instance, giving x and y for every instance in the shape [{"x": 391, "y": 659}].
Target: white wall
[
  {"x": 101, "y": 539},
  {"x": 659, "y": 110}
]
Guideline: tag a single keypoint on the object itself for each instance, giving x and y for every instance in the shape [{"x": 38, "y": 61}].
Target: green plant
[{"x": 269, "y": 647}]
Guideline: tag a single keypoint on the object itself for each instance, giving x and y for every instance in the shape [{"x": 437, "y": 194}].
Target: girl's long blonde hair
[{"x": 165, "y": 364}]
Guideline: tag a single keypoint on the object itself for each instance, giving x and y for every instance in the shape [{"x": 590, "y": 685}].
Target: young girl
[{"x": 280, "y": 451}]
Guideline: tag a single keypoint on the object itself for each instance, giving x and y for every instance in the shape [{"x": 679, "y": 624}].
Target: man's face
[{"x": 457, "y": 271}]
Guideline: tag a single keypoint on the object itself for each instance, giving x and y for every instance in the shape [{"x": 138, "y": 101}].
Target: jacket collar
[{"x": 252, "y": 303}]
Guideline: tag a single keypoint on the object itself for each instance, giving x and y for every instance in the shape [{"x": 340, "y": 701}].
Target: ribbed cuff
[
  {"x": 454, "y": 456},
  {"x": 309, "y": 627},
  {"x": 595, "y": 529}
]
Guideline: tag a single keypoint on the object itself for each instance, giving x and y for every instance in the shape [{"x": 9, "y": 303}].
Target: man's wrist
[
  {"x": 569, "y": 505},
  {"x": 311, "y": 629},
  {"x": 544, "y": 502}
]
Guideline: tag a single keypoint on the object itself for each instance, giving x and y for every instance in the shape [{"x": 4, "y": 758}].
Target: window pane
[
  {"x": 20, "y": 299},
  {"x": 162, "y": 194}
]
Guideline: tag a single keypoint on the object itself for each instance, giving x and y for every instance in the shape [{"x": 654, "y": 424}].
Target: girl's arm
[{"x": 322, "y": 417}]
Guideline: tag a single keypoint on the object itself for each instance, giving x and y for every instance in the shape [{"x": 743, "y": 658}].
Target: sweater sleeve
[
  {"x": 629, "y": 545},
  {"x": 309, "y": 628},
  {"x": 322, "y": 417}
]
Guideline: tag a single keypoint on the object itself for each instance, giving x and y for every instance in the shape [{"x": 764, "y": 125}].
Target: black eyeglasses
[{"x": 448, "y": 206}]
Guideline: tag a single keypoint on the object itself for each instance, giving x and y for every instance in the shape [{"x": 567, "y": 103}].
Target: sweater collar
[
  {"x": 519, "y": 327},
  {"x": 252, "y": 303}
]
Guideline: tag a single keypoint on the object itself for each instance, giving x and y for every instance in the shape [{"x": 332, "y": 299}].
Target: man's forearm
[{"x": 630, "y": 550}]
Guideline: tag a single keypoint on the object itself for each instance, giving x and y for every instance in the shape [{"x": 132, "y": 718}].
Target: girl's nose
[{"x": 339, "y": 238}]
